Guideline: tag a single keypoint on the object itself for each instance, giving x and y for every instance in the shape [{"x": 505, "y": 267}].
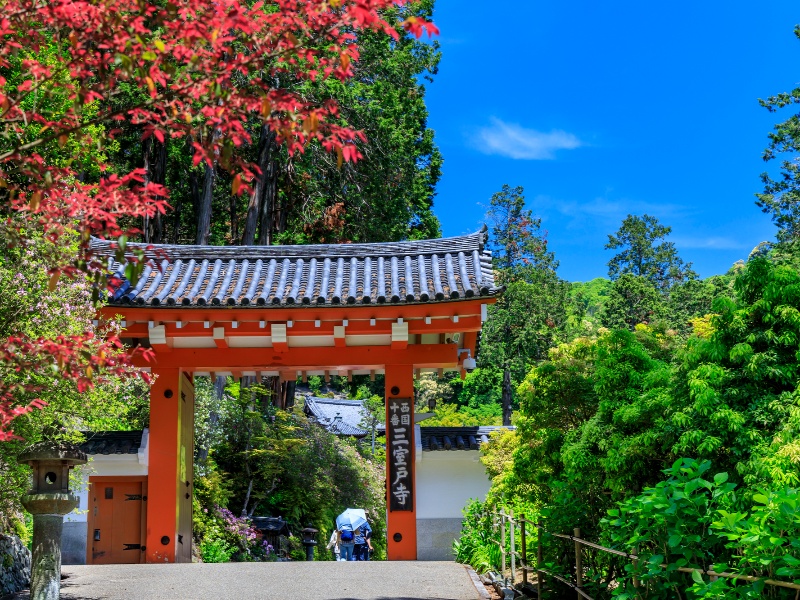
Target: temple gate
[{"x": 292, "y": 311}]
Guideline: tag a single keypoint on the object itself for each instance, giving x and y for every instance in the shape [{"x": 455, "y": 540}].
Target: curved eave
[{"x": 395, "y": 274}]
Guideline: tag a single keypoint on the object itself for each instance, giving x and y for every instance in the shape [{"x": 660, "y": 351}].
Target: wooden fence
[{"x": 512, "y": 528}]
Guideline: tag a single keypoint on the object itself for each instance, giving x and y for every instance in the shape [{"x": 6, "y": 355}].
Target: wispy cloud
[
  {"x": 517, "y": 142},
  {"x": 608, "y": 211},
  {"x": 711, "y": 243}
]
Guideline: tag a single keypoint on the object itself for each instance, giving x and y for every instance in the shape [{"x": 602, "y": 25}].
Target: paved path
[{"x": 281, "y": 581}]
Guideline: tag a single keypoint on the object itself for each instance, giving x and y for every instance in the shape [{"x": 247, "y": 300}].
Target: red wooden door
[{"x": 115, "y": 522}]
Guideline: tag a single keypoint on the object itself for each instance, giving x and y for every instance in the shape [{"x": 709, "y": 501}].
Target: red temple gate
[{"x": 292, "y": 311}]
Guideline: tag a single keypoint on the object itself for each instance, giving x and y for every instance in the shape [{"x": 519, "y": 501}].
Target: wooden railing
[{"x": 508, "y": 525}]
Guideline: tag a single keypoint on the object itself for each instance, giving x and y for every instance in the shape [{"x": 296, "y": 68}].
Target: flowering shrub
[{"x": 225, "y": 537}]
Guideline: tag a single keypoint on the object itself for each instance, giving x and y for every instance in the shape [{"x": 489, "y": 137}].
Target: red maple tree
[{"x": 208, "y": 68}]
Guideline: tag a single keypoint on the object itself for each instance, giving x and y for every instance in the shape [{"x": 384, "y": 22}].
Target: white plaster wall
[{"x": 446, "y": 479}]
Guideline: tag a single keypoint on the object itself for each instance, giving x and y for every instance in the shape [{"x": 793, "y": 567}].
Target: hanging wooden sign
[{"x": 399, "y": 446}]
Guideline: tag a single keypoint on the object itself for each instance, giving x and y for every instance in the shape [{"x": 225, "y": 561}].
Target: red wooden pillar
[
  {"x": 401, "y": 526},
  {"x": 170, "y": 467}
]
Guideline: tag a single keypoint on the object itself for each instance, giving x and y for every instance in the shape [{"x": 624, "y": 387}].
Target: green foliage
[
  {"x": 694, "y": 298},
  {"x": 270, "y": 462},
  {"x": 215, "y": 550},
  {"x": 519, "y": 247},
  {"x": 602, "y": 415},
  {"x": 475, "y": 400},
  {"x": 643, "y": 256},
  {"x": 29, "y": 307},
  {"x": 670, "y": 524},
  {"x": 315, "y": 383},
  {"x": 765, "y": 542},
  {"x": 590, "y": 296},
  {"x": 451, "y": 415},
  {"x": 476, "y": 546},
  {"x": 632, "y": 299},
  {"x": 737, "y": 395},
  {"x": 691, "y": 520},
  {"x": 781, "y": 194}
]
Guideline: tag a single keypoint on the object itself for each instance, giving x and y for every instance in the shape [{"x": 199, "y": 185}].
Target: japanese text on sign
[{"x": 400, "y": 439}]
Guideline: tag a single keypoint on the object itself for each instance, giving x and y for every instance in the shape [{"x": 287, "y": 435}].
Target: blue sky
[{"x": 603, "y": 109}]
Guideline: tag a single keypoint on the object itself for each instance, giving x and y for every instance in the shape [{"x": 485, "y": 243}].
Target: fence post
[
  {"x": 636, "y": 582},
  {"x": 578, "y": 560},
  {"x": 513, "y": 525},
  {"x": 524, "y": 558},
  {"x": 503, "y": 540},
  {"x": 539, "y": 577}
]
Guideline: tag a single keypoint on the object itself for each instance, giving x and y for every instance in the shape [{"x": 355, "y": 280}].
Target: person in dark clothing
[{"x": 363, "y": 545}]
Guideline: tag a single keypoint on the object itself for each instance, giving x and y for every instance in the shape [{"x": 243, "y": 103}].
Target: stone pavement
[{"x": 279, "y": 581}]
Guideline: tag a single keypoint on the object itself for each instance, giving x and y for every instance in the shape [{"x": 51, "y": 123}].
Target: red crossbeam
[{"x": 434, "y": 356}]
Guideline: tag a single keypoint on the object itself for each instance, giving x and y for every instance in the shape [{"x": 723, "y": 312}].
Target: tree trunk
[
  {"x": 194, "y": 183},
  {"x": 234, "y": 206},
  {"x": 288, "y": 394},
  {"x": 268, "y": 209},
  {"x": 266, "y": 150},
  {"x": 155, "y": 166},
  {"x": 506, "y": 396},
  {"x": 177, "y": 228},
  {"x": 204, "y": 214}
]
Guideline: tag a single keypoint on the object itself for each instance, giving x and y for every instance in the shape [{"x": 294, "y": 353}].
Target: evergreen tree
[
  {"x": 530, "y": 316},
  {"x": 642, "y": 254}
]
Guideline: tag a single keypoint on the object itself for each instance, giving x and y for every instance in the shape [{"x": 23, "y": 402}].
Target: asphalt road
[{"x": 281, "y": 581}]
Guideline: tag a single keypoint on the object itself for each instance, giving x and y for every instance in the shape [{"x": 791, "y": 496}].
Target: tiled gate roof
[
  {"x": 112, "y": 442},
  {"x": 395, "y": 272},
  {"x": 456, "y": 438}
]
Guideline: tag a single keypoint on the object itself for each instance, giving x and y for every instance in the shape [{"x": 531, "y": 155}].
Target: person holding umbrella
[{"x": 346, "y": 524}]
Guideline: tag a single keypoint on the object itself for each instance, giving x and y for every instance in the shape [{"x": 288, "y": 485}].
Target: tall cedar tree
[
  {"x": 781, "y": 196},
  {"x": 643, "y": 256},
  {"x": 530, "y": 315},
  {"x": 310, "y": 197}
]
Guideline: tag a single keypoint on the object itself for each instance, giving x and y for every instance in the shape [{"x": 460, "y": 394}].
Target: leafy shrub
[
  {"x": 476, "y": 547},
  {"x": 215, "y": 550},
  {"x": 480, "y": 532},
  {"x": 690, "y": 521}
]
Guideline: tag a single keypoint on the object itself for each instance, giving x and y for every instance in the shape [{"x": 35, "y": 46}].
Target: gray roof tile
[
  {"x": 395, "y": 272},
  {"x": 342, "y": 417},
  {"x": 112, "y": 442},
  {"x": 455, "y": 438}
]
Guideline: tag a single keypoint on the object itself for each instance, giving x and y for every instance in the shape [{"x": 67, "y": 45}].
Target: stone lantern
[
  {"x": 309, "y": 540},
  {"x": 48, "y": 501}
]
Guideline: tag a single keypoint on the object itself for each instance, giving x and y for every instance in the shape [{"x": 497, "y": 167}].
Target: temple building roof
[
  {"x": 410, "y": 272},
  {"x": 342, "y": 417}
]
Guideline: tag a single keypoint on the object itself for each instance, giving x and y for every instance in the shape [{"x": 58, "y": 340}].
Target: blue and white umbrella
[{"x": 352, "y": 517}]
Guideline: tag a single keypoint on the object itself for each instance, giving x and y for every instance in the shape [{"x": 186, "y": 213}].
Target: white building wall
[{"x": 445, "y": 481}]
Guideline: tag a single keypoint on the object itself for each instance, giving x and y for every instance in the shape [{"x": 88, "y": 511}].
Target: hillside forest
[{"x": 656, "y": 410}]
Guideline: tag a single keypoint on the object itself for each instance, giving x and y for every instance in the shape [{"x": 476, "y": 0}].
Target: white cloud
[
  {"x": 517, "y": 142},
  {"x": 712, "y": 243},
  {"x": 607, "y": 211}
]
